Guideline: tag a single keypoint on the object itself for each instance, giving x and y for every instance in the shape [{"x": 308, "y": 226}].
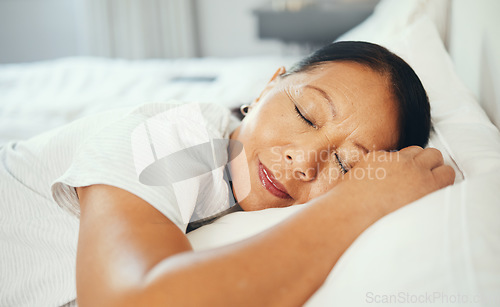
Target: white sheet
[{"x": 38, "y": 96}]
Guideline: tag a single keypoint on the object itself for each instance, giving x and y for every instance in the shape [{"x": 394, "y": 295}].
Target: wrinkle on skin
[
  {"x": 328, "y": 141},
  {"x": 365, "y": 113},
  {"x": 349, "y": 98}
]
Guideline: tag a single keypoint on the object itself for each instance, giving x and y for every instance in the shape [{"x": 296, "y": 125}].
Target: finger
[
  {"x": 411, "y": 150},
  {"x": 444, "y": 175},
  {"x": 429, "y": 158}
]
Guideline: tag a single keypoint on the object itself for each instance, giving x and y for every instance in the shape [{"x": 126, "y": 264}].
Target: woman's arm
[{"x": 129, "y": 254}]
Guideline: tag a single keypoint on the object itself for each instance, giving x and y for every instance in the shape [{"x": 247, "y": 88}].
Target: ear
[
  {"x": 271, "y": 82},
  {"x": 278, "y": 72}
]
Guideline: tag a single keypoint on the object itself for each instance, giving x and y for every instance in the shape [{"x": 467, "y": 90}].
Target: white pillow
[
  {"x": 391, "y": 17},
  {"x": 441, "y": 248},
  {"x": 463, "y": 131}
]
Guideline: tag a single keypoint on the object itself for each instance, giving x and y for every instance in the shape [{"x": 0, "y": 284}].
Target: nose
[{"x": 304, "y": 164}]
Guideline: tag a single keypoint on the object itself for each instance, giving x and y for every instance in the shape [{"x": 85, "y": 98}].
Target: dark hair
[{"x": 414, "y": 108}]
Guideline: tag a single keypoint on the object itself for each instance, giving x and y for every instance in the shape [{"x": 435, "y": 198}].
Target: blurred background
[{"x": 34, "y": 30}]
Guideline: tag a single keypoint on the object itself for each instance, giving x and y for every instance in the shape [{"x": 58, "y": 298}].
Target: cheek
[{"x": 270, "y": 123}]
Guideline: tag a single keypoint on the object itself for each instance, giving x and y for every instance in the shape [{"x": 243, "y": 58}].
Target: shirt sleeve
[{"x": 124, "y": 152}]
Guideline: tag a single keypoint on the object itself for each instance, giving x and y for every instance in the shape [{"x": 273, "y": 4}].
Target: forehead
[
  {"x": 347, "y": 76},
  {"x": 362, "y": 99}
]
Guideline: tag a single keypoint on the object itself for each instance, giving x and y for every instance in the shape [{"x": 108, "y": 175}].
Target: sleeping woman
[{"x": 95, "y": 213}]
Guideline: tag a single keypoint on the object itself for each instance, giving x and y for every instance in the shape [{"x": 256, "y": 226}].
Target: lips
[{"x": 271, "y": 184}]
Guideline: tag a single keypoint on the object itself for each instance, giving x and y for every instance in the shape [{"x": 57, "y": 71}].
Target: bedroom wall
[
  {"x": 32, "y": 30},
  {"x": 229, "y": 28}
]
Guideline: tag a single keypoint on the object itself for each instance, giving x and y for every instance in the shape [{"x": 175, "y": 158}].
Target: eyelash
[
  {"x": 302, "y": 117},
  {"x": 343, "y": 169}
]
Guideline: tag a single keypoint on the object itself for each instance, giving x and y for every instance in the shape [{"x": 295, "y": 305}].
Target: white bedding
[{"x": 35, "y": 97}]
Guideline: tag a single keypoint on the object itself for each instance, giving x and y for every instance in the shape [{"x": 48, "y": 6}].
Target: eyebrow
[
  {"x": 327, "y": 97},
  {"x": 363, "y": 148}
]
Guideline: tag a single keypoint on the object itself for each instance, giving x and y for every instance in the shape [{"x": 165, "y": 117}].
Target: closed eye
[
  {"x": 301, "y": 116},
  {"x": 342, "y": 166}
]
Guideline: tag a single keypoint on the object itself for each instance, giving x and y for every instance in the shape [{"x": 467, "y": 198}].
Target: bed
[{"x": 443, "y": 249}]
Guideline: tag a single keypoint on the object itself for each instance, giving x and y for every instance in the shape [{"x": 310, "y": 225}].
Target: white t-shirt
[{"x": 153, "y": 151}]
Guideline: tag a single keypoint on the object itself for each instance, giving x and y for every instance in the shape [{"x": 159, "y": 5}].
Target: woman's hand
[{"x": 385, "y": 181}]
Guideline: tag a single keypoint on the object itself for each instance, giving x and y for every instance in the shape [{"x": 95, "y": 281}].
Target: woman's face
[{"x": 307, "y": 129}]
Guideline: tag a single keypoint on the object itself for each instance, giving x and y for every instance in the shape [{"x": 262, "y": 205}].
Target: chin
[{"x": 248, "y": 205}]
